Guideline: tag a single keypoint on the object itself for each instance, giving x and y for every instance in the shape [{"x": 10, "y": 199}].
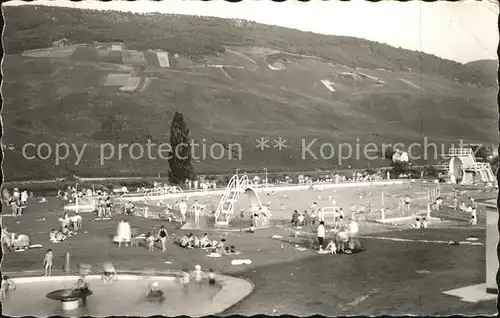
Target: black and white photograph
[{"x": 196, "y": 158}]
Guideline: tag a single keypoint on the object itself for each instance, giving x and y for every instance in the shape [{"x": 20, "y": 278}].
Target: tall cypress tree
[{"x": 180, "y": 164}]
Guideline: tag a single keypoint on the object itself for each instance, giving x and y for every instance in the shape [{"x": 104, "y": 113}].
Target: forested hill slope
[
  {"x": 32, "y": 27},
  {"x": 120, "y": 78},
  {"x": 488, "y": 69}
]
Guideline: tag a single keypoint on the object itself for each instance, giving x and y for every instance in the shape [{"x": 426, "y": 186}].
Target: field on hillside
[{"x": 230, "y": 96}]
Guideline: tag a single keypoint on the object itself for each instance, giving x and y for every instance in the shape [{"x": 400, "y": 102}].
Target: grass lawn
[{"x": 380, "y": 280}]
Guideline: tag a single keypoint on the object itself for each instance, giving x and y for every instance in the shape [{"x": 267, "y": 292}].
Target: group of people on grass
[
  {"x": 13, "y": 241},
  {"x": 301, "y": 219},
  {"x": 161, "y": 236},
  {"x": 189, "y": 240},
  {"x": 128, "y": 235},
  {"x": 196, "y": 209},
  {"x": 469, "y": 208},
  {"x": 260, "y": 217},
  {"x": 17, "y": 200},
  {"x": 104, "y": 203},
  {"x": 211, "y": 246},
  {"x": 70, "y": 225},
  {"x": 420, "y": 223},
  {"x": 317, "y": 215},
  {"x": 343, "y": 241},
  {"x": 194, "y": 241},
  {"x": 70, "y": 194},
  {"x": 129, "y": 208},
  {"x": 104, "y": 206}
]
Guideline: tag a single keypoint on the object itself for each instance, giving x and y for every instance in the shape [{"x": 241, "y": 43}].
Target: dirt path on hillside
[{"x": 242, "y": 55}]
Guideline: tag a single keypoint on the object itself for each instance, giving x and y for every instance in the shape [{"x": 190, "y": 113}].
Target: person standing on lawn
[
  {"x": 163, "y": 235},
  {"x": 321, "y": 234}
]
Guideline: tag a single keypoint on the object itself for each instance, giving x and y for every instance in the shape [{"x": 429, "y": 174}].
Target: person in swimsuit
[
  {"x": 211, "y": 278},
  {"x": 150, "y": 240},
  {"x": 6, "y": 287},
  {"x": 82, "y": 287},
  {"x": 47, "y": 262},
  {"x": 198, "y": 274},
  {"x": 109, "y": 273},
  {"x": 183, "y": 210},
  {"x": 205, "y": 241},
  {"x": 407, "y": 203},
  {"x": 331, "y": 247},
  {"x": 295, "y": 218},
  {"x": 417, "y": 224},
  {"x": 154, "y": 293},
  {"x": 163, "y": 235},
  {"x": 185, "y": 279}
]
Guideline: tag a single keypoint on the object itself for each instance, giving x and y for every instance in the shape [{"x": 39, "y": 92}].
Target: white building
[{"x": 400, "y": 156}]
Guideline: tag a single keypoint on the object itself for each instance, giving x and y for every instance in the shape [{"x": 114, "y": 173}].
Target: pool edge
[{"x": 233, "y": 289}]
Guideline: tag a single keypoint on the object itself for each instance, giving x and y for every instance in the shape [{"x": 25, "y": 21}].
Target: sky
[{"x": 461, "y": 31}]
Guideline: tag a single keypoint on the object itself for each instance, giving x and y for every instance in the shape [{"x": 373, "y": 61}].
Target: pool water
[{"x": 124, "y": 297}]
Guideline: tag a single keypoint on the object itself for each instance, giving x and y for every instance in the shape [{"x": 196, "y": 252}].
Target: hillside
[
  {"x": 488, "y": 68},
  {"x": 235, "y": 82}
]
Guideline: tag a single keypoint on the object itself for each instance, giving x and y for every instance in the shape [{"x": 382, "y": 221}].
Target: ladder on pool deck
[{"x": 225, "y": 209}]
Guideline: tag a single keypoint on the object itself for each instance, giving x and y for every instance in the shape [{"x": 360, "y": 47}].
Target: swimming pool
[{"x": 124, "y": 297}]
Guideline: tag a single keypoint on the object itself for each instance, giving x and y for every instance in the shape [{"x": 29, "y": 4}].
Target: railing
[
  {"x": 478, "y": 166},
  {"x": 154, "y": 191},
  {"x": 270, "y": 187},
  {"x": 443, "y": 166},
  {"x": 461, "y": 152}
]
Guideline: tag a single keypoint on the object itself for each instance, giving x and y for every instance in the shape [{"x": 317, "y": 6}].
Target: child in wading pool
[
  {"x": 185, "y": 279},
  {"x": 154, "y": 291},
  {"x": 7, "y": 286},
  {"x": 47, "y": 262},
  {"x": 198, "y": 274},
  {"x": 211, "y": 278},
  {"x": 109, "y": 273}
]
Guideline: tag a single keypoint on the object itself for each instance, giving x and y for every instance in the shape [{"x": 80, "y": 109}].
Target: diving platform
[{"x": 463, "y": 168}]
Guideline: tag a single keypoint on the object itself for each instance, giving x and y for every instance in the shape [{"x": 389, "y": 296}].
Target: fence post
[{"x": 66, "y": 265}]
